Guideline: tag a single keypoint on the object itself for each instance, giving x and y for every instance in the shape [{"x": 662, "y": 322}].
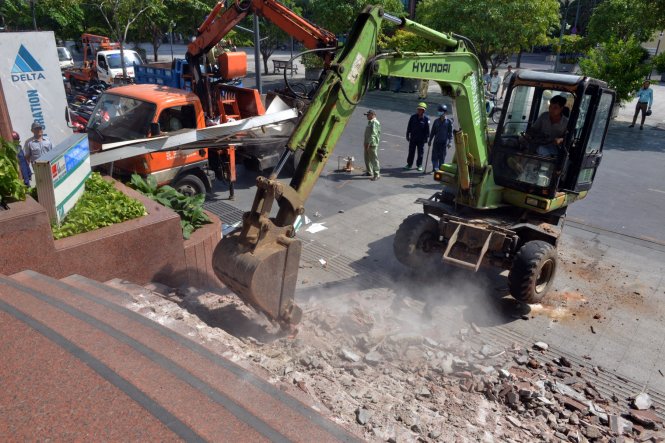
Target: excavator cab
[{"x": 547, "y": 170}]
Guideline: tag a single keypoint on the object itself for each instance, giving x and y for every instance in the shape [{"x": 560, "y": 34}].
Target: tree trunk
[{"x": 519, "y": 59}]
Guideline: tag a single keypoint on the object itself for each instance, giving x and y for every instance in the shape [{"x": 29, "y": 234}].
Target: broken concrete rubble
[{"x": 388, "y": 383}]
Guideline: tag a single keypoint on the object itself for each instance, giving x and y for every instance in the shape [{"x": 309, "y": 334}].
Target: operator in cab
[{"x": 547, "y": 133}]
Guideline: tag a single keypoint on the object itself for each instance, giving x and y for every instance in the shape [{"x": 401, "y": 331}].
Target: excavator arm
[
  {"x": 220, "y": 22},
  {"x": 260, "y": 261}
]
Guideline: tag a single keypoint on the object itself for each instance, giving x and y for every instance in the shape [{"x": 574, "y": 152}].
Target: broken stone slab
[
  {"x": 620, "y": 425},
  {"x": 521, "y": 359},
  {"x": 430, "y": 342},
  {"x": 642, "y": 401},
  {"x": 647, "y": 419},
  {"x": 373, "y": 358},
  {"x": 541, "y": 345},
  {"x": 514, "y": 421},
  {"x": 362, "y": 416},
  {"x": 350, "y": 356},
  {"x": 591, "y": 432},
  {"x": 572, "y": 404},
  {"x": 423, "y": 392}
]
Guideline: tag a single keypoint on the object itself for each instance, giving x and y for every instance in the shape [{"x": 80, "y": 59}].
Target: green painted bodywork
[{"x": 457, "y": 70}]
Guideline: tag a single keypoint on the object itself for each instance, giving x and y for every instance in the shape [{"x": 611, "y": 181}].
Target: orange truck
[{"x": 140, "y": 111}]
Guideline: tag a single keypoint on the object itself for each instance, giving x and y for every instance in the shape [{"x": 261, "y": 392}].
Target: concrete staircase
[{"x": 77, "y": 364}]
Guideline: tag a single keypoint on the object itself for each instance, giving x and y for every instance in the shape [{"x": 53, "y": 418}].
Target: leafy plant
[
  {"x": 622, "y": 64},
  {"x": 659, "y": 62},
  {"x": 100, "y": 205},
  {"x": 11, "y": 185},
  {"x": 190, "y": 209},
  {"x": 312, "y": 61}
]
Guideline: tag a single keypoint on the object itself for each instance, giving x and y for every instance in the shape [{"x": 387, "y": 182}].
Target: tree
[
  {"x": 497, "y": 29},
  {"x": 338, "y": 16},
  {"x": 272, "y": 36},
  {"x": 623, "y": 19},
  {"x": 64, "y": 17},
  {"x": 119, "y": 15},
  {"x": 623, "y": 64}
]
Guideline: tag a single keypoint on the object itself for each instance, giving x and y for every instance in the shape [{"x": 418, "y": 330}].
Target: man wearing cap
[
  {"x": 37, "y": 145},
  {"x": 442, "y": 134},
  {"x": 417, "y": 132},
  {"x": 372, "y": 138}
]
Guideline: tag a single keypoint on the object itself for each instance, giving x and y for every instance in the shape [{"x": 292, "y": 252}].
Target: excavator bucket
[{"x": 260, "y": 262}]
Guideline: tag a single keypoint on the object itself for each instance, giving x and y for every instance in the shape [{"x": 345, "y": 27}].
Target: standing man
[
  {"x": 494, "y": 83},
  {"x": 372, "y": 138},
  {"x": 24, "y": 166},
  {"x": 442, "y": 134},
  {"x": 644, "y": 102},
  {"x": 417, "y": 132},
  {"x": 506, "y": 80},
  {"x": 423, "y": 88},
  {"x": 37, "y": 145}
]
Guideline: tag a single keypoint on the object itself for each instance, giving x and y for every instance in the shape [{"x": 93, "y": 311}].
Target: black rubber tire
[
  {"x": 190, "y": 185},
  {"x": 412, "y": 239},
  {"x": 532, "y": 271},
  {"x": 496, "y": 115}
]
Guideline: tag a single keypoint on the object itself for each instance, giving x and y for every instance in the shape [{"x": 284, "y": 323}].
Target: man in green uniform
[{"x": 372, "y": 137}]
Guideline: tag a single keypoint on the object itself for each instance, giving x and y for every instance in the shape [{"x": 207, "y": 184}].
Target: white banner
[{"x": 32, "y": 83}]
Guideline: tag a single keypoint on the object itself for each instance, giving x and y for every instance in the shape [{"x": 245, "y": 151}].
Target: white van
[
  {"x": 65, "y": 58},
  {"x": 109, "y": 65}
]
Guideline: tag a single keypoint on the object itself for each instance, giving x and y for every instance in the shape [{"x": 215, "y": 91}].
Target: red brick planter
[{"x": 149, "y": 248}]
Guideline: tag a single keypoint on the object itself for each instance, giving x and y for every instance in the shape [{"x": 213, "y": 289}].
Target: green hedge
[
  {"x": 11, "y": 185},
  {"x": 100, "y": 205}
]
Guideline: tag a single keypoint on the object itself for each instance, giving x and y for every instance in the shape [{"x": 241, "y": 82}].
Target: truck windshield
[
  {"x": 118, "y": 118},
  {"x": 131, "y": 58},
  {"x": 63, "y": 54}
]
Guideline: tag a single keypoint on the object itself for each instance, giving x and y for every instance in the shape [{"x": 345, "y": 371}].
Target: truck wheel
[
  {"x": 190, "y": 185},
  {"x": 414, "y": 240},
  {"x": 532, "y": 271}
]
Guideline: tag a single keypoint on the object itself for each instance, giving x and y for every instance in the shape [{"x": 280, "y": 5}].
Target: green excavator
[{"x": 502, "y": 201}]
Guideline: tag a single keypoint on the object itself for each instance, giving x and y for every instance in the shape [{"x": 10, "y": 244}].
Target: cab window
[{"x": 177, "y": 118}]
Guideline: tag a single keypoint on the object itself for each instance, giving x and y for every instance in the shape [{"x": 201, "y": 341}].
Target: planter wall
[{"x": 149, "y": 248}]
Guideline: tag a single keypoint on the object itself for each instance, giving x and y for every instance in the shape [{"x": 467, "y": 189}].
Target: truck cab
[
  {"x": 141, "y": 111},
  {"x": 109, "y": 65}
]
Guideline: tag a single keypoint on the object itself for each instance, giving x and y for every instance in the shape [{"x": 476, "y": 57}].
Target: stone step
[{"x": 190, "y": 390}]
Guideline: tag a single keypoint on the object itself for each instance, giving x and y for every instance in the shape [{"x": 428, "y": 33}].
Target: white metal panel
[{"x": 32, "y": 83}]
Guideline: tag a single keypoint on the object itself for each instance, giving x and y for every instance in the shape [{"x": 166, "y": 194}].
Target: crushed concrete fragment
[
  {"x": 350, "y": 356},
  {"x": 620, "y": 425},
  {"x": 541, "y": 345},
  {"x": 642, "y": 401}
]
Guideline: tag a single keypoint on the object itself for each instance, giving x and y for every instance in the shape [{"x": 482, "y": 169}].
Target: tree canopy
[
  {"x": 621, "y": 63},
  {"x": 497, "y": 29},
  {"x": 338, "y": 16}
]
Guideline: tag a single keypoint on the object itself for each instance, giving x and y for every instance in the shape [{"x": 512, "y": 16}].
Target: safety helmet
[
  {"x": 648, "y": 112},
  {"x": 443, "y": 108},
  {"x": 422, "y": 105}
]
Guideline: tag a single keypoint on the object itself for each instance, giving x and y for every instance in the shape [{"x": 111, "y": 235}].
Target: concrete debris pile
[{"x": 386, "y": 383}]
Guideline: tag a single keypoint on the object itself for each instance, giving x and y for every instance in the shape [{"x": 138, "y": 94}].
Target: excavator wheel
[
  {"x": 414, "y": 240},
  {"x": 532, "y": 271}
]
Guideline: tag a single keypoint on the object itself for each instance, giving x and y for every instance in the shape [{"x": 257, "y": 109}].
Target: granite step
[{"x": 194, "y": 392}]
